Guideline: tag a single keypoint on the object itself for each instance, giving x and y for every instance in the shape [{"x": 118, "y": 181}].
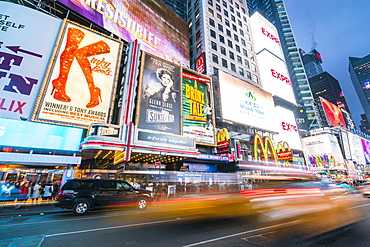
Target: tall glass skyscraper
[
  {"x": 359, "y": 69},
  {"x": 312, "y": 62},
  {"x": 275, "y": 12}
]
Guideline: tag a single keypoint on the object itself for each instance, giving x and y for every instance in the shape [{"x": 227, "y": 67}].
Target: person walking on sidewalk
[
  {"x": 48, "y": 191},
  {"x": 36, "y": 191}
]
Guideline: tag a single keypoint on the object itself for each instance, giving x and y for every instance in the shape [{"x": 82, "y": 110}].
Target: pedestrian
[
  {"x": 48, "y": 191},
  {"x": 36, "y": 191},
  {"x": 23, "y": 191}
]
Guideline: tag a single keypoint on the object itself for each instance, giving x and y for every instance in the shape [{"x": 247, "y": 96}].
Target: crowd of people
[{"x": 28, "y": 190}]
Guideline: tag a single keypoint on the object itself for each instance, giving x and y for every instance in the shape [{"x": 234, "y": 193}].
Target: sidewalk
[{"x": 8, "y": 209}]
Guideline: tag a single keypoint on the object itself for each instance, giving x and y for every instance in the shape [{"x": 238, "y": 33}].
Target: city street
[{"x": 154, "y": 227}]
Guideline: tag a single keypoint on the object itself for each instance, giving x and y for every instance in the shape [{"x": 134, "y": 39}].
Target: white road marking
[{"x": 246, "y": 232}]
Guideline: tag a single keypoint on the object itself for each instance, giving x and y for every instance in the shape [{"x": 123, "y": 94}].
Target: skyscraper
[
  {"x": 179, "y": 6},
  {"x": 359, "y": 69},
  {"x": 312, "y": 62},
  {"x": 274, "y": 11},
  {"x": 326, "y": 86}
]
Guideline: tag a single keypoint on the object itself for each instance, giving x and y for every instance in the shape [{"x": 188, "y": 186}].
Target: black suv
[{"x": 83, "y": 194}]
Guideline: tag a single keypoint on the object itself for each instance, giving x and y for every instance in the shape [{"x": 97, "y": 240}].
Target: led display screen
[
  {"x": 24, "y": 56},
  {"x": 333, "y": 114},
  {"x": 246, "y": 104},
  {"x": 17, "y": 133},
  {"x": 158, "y": 28}
]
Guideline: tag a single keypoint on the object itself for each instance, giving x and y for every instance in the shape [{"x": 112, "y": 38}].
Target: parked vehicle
[{"x": 81, "y": 195}]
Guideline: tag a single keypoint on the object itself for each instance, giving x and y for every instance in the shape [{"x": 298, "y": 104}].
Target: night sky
[{"x": 337, "y": 29}]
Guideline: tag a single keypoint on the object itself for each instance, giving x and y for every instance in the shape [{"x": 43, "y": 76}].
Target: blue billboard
[{"x": 25, "y": 134}]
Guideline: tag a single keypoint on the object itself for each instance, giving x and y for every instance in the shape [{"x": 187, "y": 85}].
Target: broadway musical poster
[
  {"x": 197, "y": 108},
  {"x": 80, "y": 85},
  {"x": 159, "y": 96}
]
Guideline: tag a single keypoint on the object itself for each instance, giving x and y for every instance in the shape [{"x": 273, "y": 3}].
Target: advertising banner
[
  {"x": 159, "y": 98},
  {"x": 357, "y": 151},
  {"x": 24, "y": 56},
  {"x": 288, "y": 130},
  {"x": 27, "y": 134},
  {"x": 322, "y": 151},
  {"x": 275, "y": 76},
  {"x": 333, "y": 114},
  {"x": 345, "y": 144},
  {"x": 265, "y": 36},
  {"x": 80, "y": 86},
  {"x": 246, "y": 104},
  {"x": 158, "y": 28},
  {"x": 366, "y": 148},
  {"x": 197, "y": 108}
]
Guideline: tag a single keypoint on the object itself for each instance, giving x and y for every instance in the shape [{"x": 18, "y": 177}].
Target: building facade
[
  {"x": 312, "y": 62},
  {"x": 275, "y": 12}
]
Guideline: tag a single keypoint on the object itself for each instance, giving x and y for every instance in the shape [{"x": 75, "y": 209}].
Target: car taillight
[{"x": 60, "y": 194}]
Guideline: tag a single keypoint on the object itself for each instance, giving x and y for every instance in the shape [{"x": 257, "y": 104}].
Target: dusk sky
[{"x": 337, "y": 29}]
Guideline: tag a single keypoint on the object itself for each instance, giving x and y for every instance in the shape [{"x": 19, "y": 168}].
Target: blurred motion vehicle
[
  {"x": 81, "y": 195},
  {"x": 364, "y": 188}
]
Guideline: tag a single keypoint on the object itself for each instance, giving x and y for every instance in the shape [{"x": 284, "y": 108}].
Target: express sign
[
  {"x": 281, "y": 77},
  {"x": 268, "y": 34}
]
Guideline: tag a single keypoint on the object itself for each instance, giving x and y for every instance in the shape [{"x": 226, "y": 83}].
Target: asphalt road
[{"x": 158, "y": 228}]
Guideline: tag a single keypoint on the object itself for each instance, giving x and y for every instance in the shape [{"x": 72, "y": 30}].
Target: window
[
  {"x": 253, "y": 67},
  {"x": 245, "y": 52},
  {"x": 231, "y": 55},
  {"x": 248, "y": 37},
  {"x": 224, "y": 63},
  {"x": 237, "y": 47},
  {"x": 213, "y": 33},
  {"x": 240, "y": 23},
  {"x": 210, "y": 11},
  {"x": 243, "y": 42},
  {"x": 224, "y": 4},
  {"x": 234, "y": 28},
  {"x": 231, "y": 9},
  {"x": 223, "y": 50},
  {"x": 214, "y": 45},
  {"x": 233, "y": 68},
  {"x": 210, "y": 2},
  {"x": 228, "y": 32},
  {"x": 211, "y": 22},
  {"x": 220, "y": 28},
  {"x": 240, "y": 59},
  {"x": 249, "y": 46},
  {"x": 241, "y": 32},
  {"x": 227, "y": 23},
  {"x": 243, "y": 10},
  {"x": 226, "y": 13},
  {"x": 197, "y": 35},
  {"x": 215, "y": 70},
  {"x": 241, "y": 71},
  {"x": 214, "y": 58},
  {"x": 219, "y": 17},
  {"x": 123, "y": 186},
  {"x": 246, "y": 62},
  {"x": 197, "y": 24},
  {"x": 108, "y": 184},
  {"x": 229, "y": 43},
  {"x": 233, "y": 18},
  {"x": 236, "y": 38},
  {"x": 237, "y": 6},
  {"x": 249, "y": 75},
  {"x": 255, "y": 78},
  {"x": 218, "y": 7},
  {"x": 222, "y": 39},
  {"x": 238, "y": 14},
  {"x": 199, "y": 47},
  {"x": 244, "y": 19}
]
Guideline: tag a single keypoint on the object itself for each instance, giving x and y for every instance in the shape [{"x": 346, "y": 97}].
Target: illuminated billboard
[
  {"x": 80, "y": 86},
  {"x": 288, "y": 130},
  {"x": 158, "y": 28},
  {"x": 26, "y": 134},
  {"x": 333, "y": 114},
  {"x": 356, "y": 147},
  {"x": 159, "y": 98},
  {"x": 322, "y": 151},
  {"x": 246, "y": 104},
  {"x": 366, "y": 149},
  {"x": 275, "y": 76},
  {"x": 24, "y": 56},
  {"x": 265, "y": 35},
  {"x": 197, "y": 107}
]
